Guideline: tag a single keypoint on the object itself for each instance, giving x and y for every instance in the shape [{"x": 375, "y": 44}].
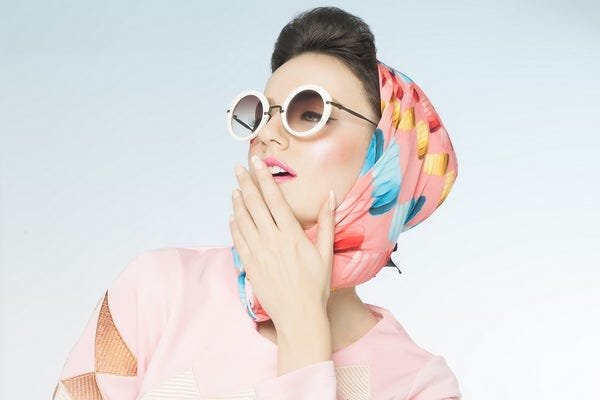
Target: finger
[
  {"x": 280, "y": 209},
  {"x": 257, "y": 208},
  {"x": 243, "y": 219},
  {"x": 326, "y": 229}
]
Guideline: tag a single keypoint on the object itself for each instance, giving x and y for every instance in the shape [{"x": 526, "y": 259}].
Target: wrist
[
  {"x": 309, "y": 339},
  {"x": 303, "y": 321}
]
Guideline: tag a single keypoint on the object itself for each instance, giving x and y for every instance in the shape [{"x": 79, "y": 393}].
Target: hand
[{"x": 290, "y": 275}]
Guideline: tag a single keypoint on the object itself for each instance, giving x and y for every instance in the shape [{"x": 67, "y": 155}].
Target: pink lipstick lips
[
  {"x": 290, "y": 173},
  {"x": 270, "y": 161},
  {"x": 283, "y": 178}
]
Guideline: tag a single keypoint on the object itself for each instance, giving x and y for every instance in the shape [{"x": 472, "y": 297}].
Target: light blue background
[{"x": 113, "y": 142}]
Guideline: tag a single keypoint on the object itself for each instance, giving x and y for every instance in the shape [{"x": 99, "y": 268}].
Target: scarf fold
[{"x": 409, "y": 169}]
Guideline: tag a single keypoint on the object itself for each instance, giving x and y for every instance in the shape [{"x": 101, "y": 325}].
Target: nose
[{"x": 273, "y": 129}]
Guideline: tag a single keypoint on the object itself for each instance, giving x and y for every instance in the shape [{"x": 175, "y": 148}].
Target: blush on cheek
[{"x": 331, "y": 153}]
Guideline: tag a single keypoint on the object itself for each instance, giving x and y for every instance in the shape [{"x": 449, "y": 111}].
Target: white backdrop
[{"x": 113, "y": 142}]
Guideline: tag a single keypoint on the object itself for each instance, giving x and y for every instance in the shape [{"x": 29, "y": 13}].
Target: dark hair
[{"x": 333, "y": 31}]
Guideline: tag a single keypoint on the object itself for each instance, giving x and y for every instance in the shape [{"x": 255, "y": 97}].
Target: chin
[{"x": 298, "y": 205}]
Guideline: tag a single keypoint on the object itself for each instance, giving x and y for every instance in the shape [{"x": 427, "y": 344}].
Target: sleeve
[
  {"x": 435, "y": 381},
  {"x": 313, "y": 381},
  {"x": 109, "y": 359}
]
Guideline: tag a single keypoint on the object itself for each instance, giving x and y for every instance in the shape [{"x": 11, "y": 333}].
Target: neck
[
  {"x": 349, "y": 317},
  {"x": 342, "y": 301}
]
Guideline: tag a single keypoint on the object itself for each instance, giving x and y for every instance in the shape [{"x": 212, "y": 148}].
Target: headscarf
[{"x": 409, "y": 169}]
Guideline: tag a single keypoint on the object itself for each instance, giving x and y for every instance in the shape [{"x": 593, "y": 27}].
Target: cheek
[
  {"x": 334, "y": 154},
  {"x": 335, "y": 163}
]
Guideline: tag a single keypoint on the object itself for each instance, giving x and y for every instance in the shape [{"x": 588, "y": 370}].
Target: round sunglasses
[{"x": 304, "y": 112}]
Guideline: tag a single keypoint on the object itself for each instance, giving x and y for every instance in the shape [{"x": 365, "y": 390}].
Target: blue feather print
[
  {"x": 415, "y": 207},
  {"x": 374, "y": 152},
  {"x": 403, "y": 212},
  {"x": 387, "y": 178},
  {"x": 242, "y": 292},
  {"x": 400, "y": 212},
  {"x": 242, "y": 282},
  {"x": 236, "y": 258}
]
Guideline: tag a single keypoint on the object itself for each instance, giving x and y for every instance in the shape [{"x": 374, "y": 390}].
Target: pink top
[{"x": 171, "y": 326}]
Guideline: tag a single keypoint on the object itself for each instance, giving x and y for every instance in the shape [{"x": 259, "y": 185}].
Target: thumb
[{"x": 326, "y": 228}]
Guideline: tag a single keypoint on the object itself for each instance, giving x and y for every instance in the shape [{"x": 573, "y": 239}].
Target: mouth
[
  {"x": 280, "y": 171},
  {"x": 283, "y": 178}
]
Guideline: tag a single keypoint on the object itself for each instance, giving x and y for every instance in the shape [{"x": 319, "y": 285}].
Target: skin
[{"x": 330, "y": 159}]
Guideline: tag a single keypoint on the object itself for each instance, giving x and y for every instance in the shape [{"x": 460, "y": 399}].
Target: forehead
[{"x": 313, "y": 68}]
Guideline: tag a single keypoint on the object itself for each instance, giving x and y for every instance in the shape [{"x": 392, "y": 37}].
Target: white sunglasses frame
[{"x": 266, "y": 106}]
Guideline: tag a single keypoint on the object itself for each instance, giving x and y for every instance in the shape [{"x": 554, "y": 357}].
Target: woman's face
[{"x": 329, "y": 159}]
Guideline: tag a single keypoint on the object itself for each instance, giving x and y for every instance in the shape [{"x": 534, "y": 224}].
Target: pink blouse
[{"x": 171, "y": 326}]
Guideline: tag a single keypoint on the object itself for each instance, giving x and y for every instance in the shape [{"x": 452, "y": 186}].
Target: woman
[{"x": 276, "y": 315}]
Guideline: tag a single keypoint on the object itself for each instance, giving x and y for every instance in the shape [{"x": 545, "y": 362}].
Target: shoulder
[
  {"x": 151, "y": 267},
  {"x": 200, "y": 261},
  {"x": 165, "y": 263},
  {"x": 195, "y": 254},
  {"x": 150, "y": 276},
  {"x": 156, "y": 270}
]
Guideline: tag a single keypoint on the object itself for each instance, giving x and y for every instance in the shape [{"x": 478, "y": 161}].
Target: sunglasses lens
[
  {"x": 246, "y": 115},
  {"x": 305, "y": 110}
]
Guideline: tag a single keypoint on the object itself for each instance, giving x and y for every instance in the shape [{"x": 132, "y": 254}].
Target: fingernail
[
  {"x": 331, "y": 200},
  {"x": 256, "y": 161},
  {"x": 236, "y": 193},
  {"x": 239, "y": 170}
]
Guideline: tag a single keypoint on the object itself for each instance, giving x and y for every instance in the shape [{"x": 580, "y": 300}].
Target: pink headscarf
[{"x": 409, "y": 169}]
